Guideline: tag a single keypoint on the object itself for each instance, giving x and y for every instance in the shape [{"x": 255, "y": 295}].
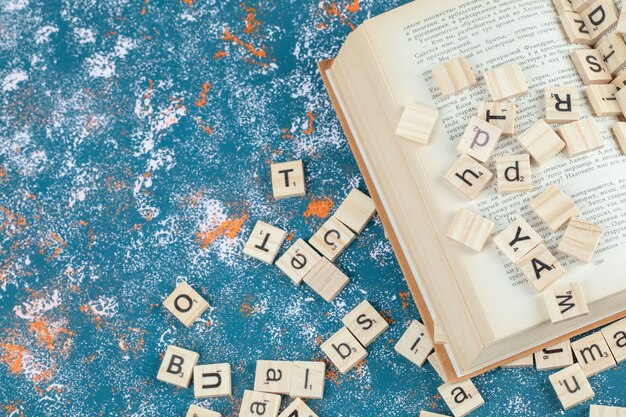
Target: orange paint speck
[
  {"x": 310, "y": 128},
  {"x": 228, "y": 228},
  {"x": 220, "y": 54},
  {"x": 251, "y": 22},
  {"x": 405, "y": 297},
  {"x": 332, "y": 10},
  {"x": 188, "y": 2},
  {"x": 13, "y": 357},
  {"x": 229, "y": 37},
  {"x": 354, "y": 6},
  {"x": 201, "y": 100},
  {"x": 42, "y": 332},
  {"x": 319, "y": 208}
]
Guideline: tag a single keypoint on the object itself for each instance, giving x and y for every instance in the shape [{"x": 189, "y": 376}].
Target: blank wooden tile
[
  {"x": 593, "y": 354},
  {"x": 501, "y": 114},
  {"x": 326, "y": 279},
  {"x": 590, "y": 66},
  {"x": 556, "y": 356},
  {"x": 562, "y": 104},
  {"x": 468, "y": 176},
  {"x": 621, "y": 99},
  {"x": 554, "y": 207},
  {"x": 454, "y": 76},
  {"x": 344, "y": 350},
  {"x": 415, "y": 344},
  {"x": 177, "y": 366},
  {"x": 517, "y": 239},
  {"x": 430, "y": 414},
  {"x": 355, "y": 211},
  {"x": 288, "y": 179},
  {"x": 462, "y": 398},
  {"x": 562, "y": 6},
  {"x": 332, "y": 238},
  {"x": 581, "y": 137},
  {"x": 606, "y": 411},
  {"x": 273, "y": 376},
  {"x": 514, "y": 174},
  {"x": 479, "y": 139},
  {"x": 523, "y": 362},
  {"x": 298, "y": 260},
  {"x": 259, "y": 404},
  {"x": 307, "y": 379},
  {"x": 417, "y": 123},
  {"x": 196, "y": 411},
  {"x": 264, "y": 242},
  {"x": 435, "y": 362},
  {"x": 210, "y": 381},
  {"x": 613, "y": 50},
  {"x": 565, "y": 302},
  {"x": 297, "y": 408},
  {"x": 365, "y": 323},
  {"x": 579, "y": 5},
  {"x": 470, "y": 229},
  {"x": 621, "y": 22},
  {"x": 602, "y": 100},
  {"x": 506, "y": 82},
  {"x": 185, "y": 304},
  {"x": 620, "y": 79},
  {"x": 439, "y": 335},
  {"x": 619, "y": 130},
  {"x": 540, "y": 267},
  {"x": 541, "y": 142},
  {"x": 574, "y": 28},
  {"x": 580, "y": 239},
  {"x": 599, "y": 16},
  {"x": 615, "y": 336},
  {"x": 571, "y": 386}
]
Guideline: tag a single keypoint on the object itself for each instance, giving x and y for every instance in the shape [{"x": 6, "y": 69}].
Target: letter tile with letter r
[
  {"x": 506, "y": 82},
  {"x": 574, "y": 27},
  {"x": 298, "y": 260},
  {"x": 264, "y": 242},
  {"x": 541, "y": 142},
  {"x": 307, "y": 379},
  {"x": 571, "y": 386},
  {"x": 517, "y": 239},
  {"x": 297, "y": 408},
  {"x": 590, "y": 66},
  {"x": 615, "y": 336},
  {"x": 332, "y": 239},
  {"x": 593, "y": 354},
  {"x": 288, "y": 179},
  {"x": 177, "y": 366},
  {"x": 580, "y": 239},
  {"x": 462, "y": 398},
  {"x": 273, "y": 376},
  {"x": 468, "y": 176},
  {"x": 196, "y": 411},
  {"x": 186, "y": 304},
  {"x": 365, "y": 323},
  {"x": 259, "y": 404},
  {"x": 606, "y": 411},
  {"x": 554, "y": 207},
  {"x": 565, "y": 302},
  {"x": 470, "y": 229},
  {"x": 501, "y": 114},
  {"x": 344, "y": 350},
  {"x": 514, "y": 174},
  {"x": 415, "y": 344},
  {"x": 581, "y": 137},
  {"x": 479, "y": 139},
  {"x": 555, "y": 356},
  {"x": 213, "y": 380},
  {"x": 599, "y": 17},
  {"x": 540, "y": 267},
  {"x": 562, "y": 104}
]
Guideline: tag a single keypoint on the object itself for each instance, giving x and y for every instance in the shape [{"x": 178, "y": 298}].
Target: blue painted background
[{"x": 135, "y": 142}]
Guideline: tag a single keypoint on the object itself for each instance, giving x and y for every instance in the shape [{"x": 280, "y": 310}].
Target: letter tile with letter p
[
  {"x": 571, "y": 386},
  {"x": 177, "y": 366},
  {"x": 344, "y": 350},
  {"x": 212, "y": 380},
  {"x": 479, "y": 139},
  {"x": 462, "y": 398}
]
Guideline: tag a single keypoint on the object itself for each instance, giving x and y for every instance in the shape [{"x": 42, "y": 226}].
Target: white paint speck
[
  {"x": 100, "y": 66},
  {"x": 11, "y": 81}
]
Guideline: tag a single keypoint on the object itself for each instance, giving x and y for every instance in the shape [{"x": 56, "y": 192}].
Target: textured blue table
[{"x": 135, "y": 142}]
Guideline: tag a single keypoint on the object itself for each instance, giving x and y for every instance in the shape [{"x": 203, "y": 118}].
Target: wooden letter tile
[
  {"x": 603, "y": 101},
  {"x": 562, "y": 6},
  {"x": 615, "y": 336},
  {"x": 621, "y": 99},
  {"x": 429, "y": 414},
  {"x": 417, "y": 123},
  {"x": 264, "y": 242},
  {"x": 540, "y": 267},
  {"x": 523, "y": 362},
  {"x": 186, "y": 304},
  {"x": 621, "y": 22},
  {"x": 599, "y": 16},
  {"x": 479, "y": 139},
  {"x": 620, "y": 79},
  {"x": 307, "y": 380},
  {"x": 177, "y": 366},
  {"x": 468, "y": 176},
  {"x": 562, "y": 104},
  {"x": 344, "y": 350},
  {"x": 579, "y": 5},
  {"x": 606, "y": 411},
  {"x": 517, "y": 240},
  {"x": 195, "y": 411},
  {"x": 593, "y": 354},
  {"x": 415, "y": 344},
  {"x": 506, "y": 82},
  {"x": 590, "y": 66},
  {"x": 454, "y": 76},
  {"x": 211, "y": 381},
  {"x": 565, "y": 302},
  {"x": 619, "y": 130},
  {"x": 298, "y": 261},
  {"x": 365, "y": 323},
  {"x": 435, "y": 362},
  {"x": 462, "y": 398},
  {"x": 500, "y": 114},
  {"x": 580, "y": 239},
  {"x": 514, "y": 174},
  {"x": 273, "y": 376},
  {"x": 571, "y": 386},
  {"x": 332, "y": 238},
  {"x": 613, "y": 50},
  {"x": 541, "y": 142},
  {"x": 355, "y": 211},
  {"x": 581, "y": 137},
  {"x": 259, "y": 404},
  {"x": 554, "y": 207},
  {"x": 555, "y": 356},
  {"x": 297, "y": 408},
  {"x": 326, "y": 279},
  {"x": 288, "y": 179},
  {"x": 470, "y": 229},
  {"x": 575, "y": 28}
]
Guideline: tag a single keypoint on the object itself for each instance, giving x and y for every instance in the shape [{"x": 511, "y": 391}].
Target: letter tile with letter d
[
  {"x": 479, "y": 139},
  {"x": 514, "y": 174},
  {"x": 195, "y": 411},
  {"x": 259, "y": 404},
  {"x": 212, "y": 380},
  {"x": 571, "y": 386},
  {"x": 297, "y": 408},
  {"x": 593, "y": 354},
  {"x": 186, "y": 304},
  {"x": 177, "y": 366},
  {"x": 344, "y": 350},
  {"x": 273, "y": 376},
  {"x": 415, "y": 344},
  {"x": 462, "y": 398}
]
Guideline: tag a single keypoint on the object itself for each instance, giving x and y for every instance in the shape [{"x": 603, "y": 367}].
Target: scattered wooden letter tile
[
  {"x": 514, "y": 175},
  {"x": 435, "y": 362},
  {"x": 517, "y": 239},
  {"x": 344, "y": 350},
  {"x": 307, "y": 379},
  {"x": 365, "y": 323},
  {"x": 599, "y": 16},
  {"x": 506, "y": 82},
  {"x": 562, "y": 6},
  {"x": 621, "y": 22},
  {"x": 417, "y": 123},
  {"x": 469, "y": 176},
  {"x": 571, "y": 386},
  {"x": 500, "y": 114},
  {"x": 326, "y": 279},
  {"x": 540, "y": 267},
  {"x": 575, "y": 28},
  {"x": 615, "y": 336},
  {"x": 562, "y": 104},
  {"x": 430, "y": 414},
  {"x": 579, "y": 5},
  {"x": 211, "y": 381},
  {"x": 470, "y": 229},
  {"x": 259, "y": 404},
  {"x": 603, "y": 101},
  {"x": 186, "y": 304},
  {"x": 415, "y": 344},
  {"x": 196, "y": 411},
  {"x": 523, "y": 362},
  {"x": 620, "y": 79},
  {"x": 332, "y": 238},
  {"x": 590, "y": 66},
  {"x": 580, "y": 239},
  {"x": 454, "y": 76},
  {"x": 565, "y": 302},
  {"x": 298, "y": 260},
  {"x": 554, "y": 207},
  {"x": 613, "y": 50},
  {"x": 593, "y": 354},
  {"x": 479, "y": 139},
  {"x": 581, "y": 137},
  {"x": 619, "y": 130},
  {"x": 541, "y": 142},
  {"x": 462, "y": 398},
  {"x": 264, "y": 242},
  {"x": 177, "y": 366},
  {"x": 273, "y": 376},
  {"x": 621, "y": 99},
  {"x": 355, "y": 211},
  {"x": 606, "y": 411},
  {"x": 555, "y": 356},
  {"x": 288, "y": 179},
  {"x": 297, "y": 408}
]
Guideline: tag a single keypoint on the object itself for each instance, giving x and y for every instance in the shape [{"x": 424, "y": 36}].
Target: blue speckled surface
[{"x": 135, "y": 142}]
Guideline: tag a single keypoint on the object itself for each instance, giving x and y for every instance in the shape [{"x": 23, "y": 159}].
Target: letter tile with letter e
[
  {"x": 506, "y": 82},
  {"x": 326, "y": 279},
  {"x": 562, "y": 104},
  {"x": 554, "y": 207},
  {"x": 599, "y": 17},
  {"x": 571, "y": 386},
  {"x": 307, "y": 379},
  {"x": 210, "y": 381},
  {"x": 288, "y": 179},
  {"x": 355, "y": 211},
  {"x": 590, "y": 66},
  {"x": 479, "y": 139},
  {"x": 344, "y": 350},
  {"x": 593, "y": 354},
  {"x": 297, "y": 408},
  {"x": 365, "y": 323},
  {"x": 259, "y": 404},
  {"x": 454, "y": 76},
  {"x": 500, "y": 114},
  {"x": 468, "y": 176},
  {"x": 540, "y": 267},
  {"x": 186, "y": 304},
  {"x": 196, "y": 411},
  {"x": 580, "y": 239},
  {"x": 470, "y": 229},
  {"x": 415, "y": 344},
  {"x": 514, "y": 174},
  {"x": 606, "y": 411},
  {"x": 615, "y": 336},
  {"x": 613, "y": 50},
  {"x": 541, "y": 142},
  {"x": 575, "y": 28},
  {"x": 619, "y": 130},
  {"x": 298, "y": 260},
  {"x": 264, "y": 242},
  {"x": 462, "y": 398},
  {"x": 555, "y": 356},
  {"x": 177, "y": 366},
  {"x": 523, "y": 362},
  {"x": 417, "y": 123},
  {"x": 581, "y": 137},
  {"x": 430, "y": 414},
  {"x": 517, "y": 239},
  {"x": 603, "y": 101},
  {"x": 273, "y": 376},
  {"x": 332, "y": 239},
  {"x": 565, "y": 302}
]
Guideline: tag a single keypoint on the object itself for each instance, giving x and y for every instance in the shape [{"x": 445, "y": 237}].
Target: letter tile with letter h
[
  {"x": 415, "y": 344},
  {"x": 264, "y": 242},
  {"x": 186, "y": 304},
  {"x": 593, "y": 354},
  {"x": 344, "y": 350},
  {"x": 273, "y": 376},
  {"x": 468, "y": 176},
  {"x": 479, "y": 139},
  {"x": 211, "y": 381},
  {"x": 571, "y": 386},
  {"x": 259, "y": 404},
  {"x": 462, "y": 398},
  {"x": 177, "y": 366}
]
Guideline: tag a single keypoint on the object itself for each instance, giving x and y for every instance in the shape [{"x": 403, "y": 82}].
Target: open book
[{"x": 487, "y": 310}]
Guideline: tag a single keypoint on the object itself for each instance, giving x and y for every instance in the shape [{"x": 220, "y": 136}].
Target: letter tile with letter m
[
  {"x": 273, "y": 376},
  {"x": 571, "y": 386},
  {"x": 259, "y": 404},
  {"x": 462, "y": 398},
  {"x": 177, "y": 366},
  {"x": 593, "y": 354},
  {"x": 344, "y": 350},
  {"x": 212, "y": 380},
  {"x": 479, "y": 139}
]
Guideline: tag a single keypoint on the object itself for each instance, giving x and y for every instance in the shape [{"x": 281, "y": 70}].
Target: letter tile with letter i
[
  {"x": 603, "y": 101},
  {"x": 307, "y": 379},
  {"x": 514, "y": 174},
  {"x": 365, "y": 323},
  {"x": 562, "y": 104},
  {"x": 593, "y": 354},
  {"x": 186, "y": 304},
  {"x": 468, "y": 176},
  {"x": 264, "y": 242},
  {"x": 479, "y": 139},
  {"x": 565, "y": 302},
  {"x": 571, "y": 386},
  {"x": 462, "y": 398},
  {"x": 288, "y": 179},
  {"x": 211, "y": 381},
  {"x": 415, "y": 344},
  {"x": 344, "y": 350},
  {"x": 517, "y": 239},
  {"x": 615, "y": 336},
  {"x": 297, "y": 408},
  {"x": 259, "y": 404},
  {"x": 606, "y": 411},
  {"x": 177, "y": 366},
  {"x": 273, "y": 376},
  {"x": 196, "y": 411},
  {"x": 555, "y": 356}
]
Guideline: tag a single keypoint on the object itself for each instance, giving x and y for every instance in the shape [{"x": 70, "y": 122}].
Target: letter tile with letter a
[
  {"x": 606, "y": 411},
  {"x": 177, "y": 366},
  {"x": 470, "y": 229},
  {"x": 603, "y": 100},
  {"x": 575, "y": 28},
  {"x": 417, "y": 123},
  {"x": 479, "y": 139},
  {"x": 210, "y": 381},
  {"x": 599, "y": 16},
  {"x": 196, "y": 411},
  {"x": 326, "y": 279},
  {"x": 264, "y": 242},
  {"x": 344, "y": 350},
  {"x": 565, "y": 302},
  {"x": 613, "y": 50},
  {"x": 415, "y": 344},
  {"x": 500, "y": 114},
  {"x": 259, "y": 404},
  {"x": 615, "y": 336},
  {"x": 355, "y": 211},
  {"x": 468, "y": 176},
  {"x": 514, "y": 174},
  {"x": 619, "y": 130},
  {"x": 307, "y": 379},
  {"x": 462, "y": 398},
  {"x": 332, "y": 239},
  {"x": 540, "y": 267},
  {"x": 297, "y": 408},
  {"x": 593, "y": 354},
  {"x": 365, "y": 323},
  {"x": 454, "y": 76},
  {"x": 554, "y": 207},
  {"x": 298, "y": 260},
  {"x": 517, "y": 239},
  {"x": 186, "y": 304},
  {"x": 506, "y": 82},
  {"x": 562, "y": 104},
  {"x": 555, "y": 356},
  {"x": 541, "y": 142},
  {"x": 571, "y": 386},
  {"x": 288, "y": 179},
  {"x": 580, "y": 239},
  {"x": 581, "y": 137},
  {"x": 273, "y": 376},
  {"x": 590, "y": 66}
]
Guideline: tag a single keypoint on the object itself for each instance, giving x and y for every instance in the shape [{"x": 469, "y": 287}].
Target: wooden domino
[
  {"x": 264, "y": 242},
  {"x": 562, "y": 6},
  {"x": 619, "y": 130},
  {"x": 565, "y": 302},
  {"x": 540, "y": 267},
  {"x": 355, "y": 211},
  {"x": 581, "y": 137},
  {"x": 541, "y": 142},
  {"x": 298, "y": 261},
  {"x": 479, "y": 139},
  {"x": 365, "y": 323},
  {"x": 470, "y": 229},
  {"x": 606, "y": 411},
  {"x": 307, "y": 379},
  {"x": 415, "y": 344},
  {"x": 288, "y": 179},
  {"x": 326, "y": 279},
  {"x": 462, "y": 398},
  {"x": 197, "y": 411},
  {"x": 297, "y": 408},
  {"x": 593, "y": 354},
  {"x": 273, "y": 376},
  {"x": 602, "y": 100},
  {"x": 211, "y": 381},
  {"x": 613, "y": 50},
  {"x": 554, "y": 207},
  {"x": 571, "y": 386},
  {"x": 177, "y": 366},
  {"x": 562, "y": 104},
  {"x": 501, "y": 114},
  {"x": 185, "y": 304},
  {"x": 579, "y": 5},
  {"x": 517, "y": 240},
  {"x": 344, "y": 350},
  {"x": 574, "y": 28},
  {"x": 332, "y": 239},
  {"x": 524, "y": 362},
  {"x": 454, "y": 76},
  {"x": 430, "y": 414},
  {"x": 599, "y": 16},
  {"x": 506, "y": 82},
  {"x": 556, "y": 356},
  {"x": 417, "y": 123},
  {"x": 615, "y": 336},
  {"x": 468, "y": 176},
  {"x": 514, "y": 174},
  {"x": 580, "y": 239},
  {"x": 259, "y": 404},
  {"x": 590, "y": 66}
]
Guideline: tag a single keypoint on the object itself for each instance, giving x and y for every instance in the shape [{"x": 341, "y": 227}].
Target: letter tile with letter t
[
  {"x": 580, "y": 239},
  {"x": 297, "y": 408},
  {"x": 606, "y": 411},
  {"x": 479, "y": 139},
  {"x": 599, "y": 17},
  {"x": 613, "y": 50},
  {"x": 593, "y": 354},
  {"x": 468, "y": 176},
  {"x": 517, "y": 239},
  {"x": 196, "y": 411},
  {"x": 213, "y": 380},
  {"x": 562, "y": 104},
  {"x": 541, "y": 142},
  {"x": 264, "y": 242},
  {"x": 571, "y": 386},
  {"x": 462, "y": 398},
  {"x": 555, "y": 356},
  {"x": 355, "y": 211},
  {"x": 501, "y": 114},
  {"x": 553, "y": 207},
  {"x": 186, "y": 304},
  {"x": 514, "y": 174},
  {"x": 565, "y": 302},
  {"x": 470, "y": 229},
  {"x": 415, "y": 344},
  {"x": 273, "y": 376},
  {"x": 307, "y": 379},
  {"x": 615, "y": 336},
  {"x": 417, "y": 123},
  {"x": 590, "y": 66},
  {"x": 298, "y": 260},
  {"x": 581, "y": 137},
  {"x": 332, "y": 239},
  {"x": 540, "y": 267},
  {"x": 365, "y": 323},
  {"x": 288, "y": 179},
  {"x": 259, "y": 404},
  {"x": 344, "y": 350},
  {"x": 177, "y": 366},
  {"x": 454, "y": 76},
  {"x": 506, "y": 82}
]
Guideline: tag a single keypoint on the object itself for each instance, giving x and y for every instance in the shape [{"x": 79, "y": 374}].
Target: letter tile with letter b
[
  {"x": 288, "y": 179},
  {"x": 186, "y": 304},
  {"x": 554, "y": 207},
  {"x": 593, "y": 354},
  {"x": 514, "y": 174},
  {"x": 259, "y": 404},
  {"x": 177, "y": 366},
  {"x": 307, "y": 379},
  {"x": 454, "y": 76},
  {"x": 417, "y": 123},
  {"x": 555, "y": 356},
  {"x": 298, "y": 260},
  {"x": 332, "y": 239},
  {"x": 599, "y": 17},
  {"x": 462, "y": 398},
  {"x": 590, "y": 66},
  {"x": 470, "y": 229},
  {"x": 562, "y": 104},
  {"x": 344, "y": 350},
  {"x": 264, "y": 242},
  {"x": 581, "y": 137},
  {"x": 273, "y": 376},
  {"x": 615, "y": 336},
  {"x": 571, "y": 386},
  {"x": 575, "y": 28},
  {"x": 565, "y": 302},
  {"x": 326, "y": 279},
  {"x": 517, "y": 239},
  {"x": 415, "y": 344},
  {"x": 196, "y": 411},
  {"x": 606, "y": 411},
  {"x": 479, "y": 139},
  {"x": 540, "y": 267},
  {"x": 541, "y": 142},
  {"x": 468, "y": 176},
  {"x": 619, "y": 130},
  {"x": 211, "y": 381},
  {"x": 580, "y": 239},
  {"x": 297, "y": 408},
  {"x": 500, "y": 114},
  {"x": 365, "y": 323},
  {"x": 506, "y": 82},
  {"x": 355, "y": 211},
  {"x": 603, "y": 101}
]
